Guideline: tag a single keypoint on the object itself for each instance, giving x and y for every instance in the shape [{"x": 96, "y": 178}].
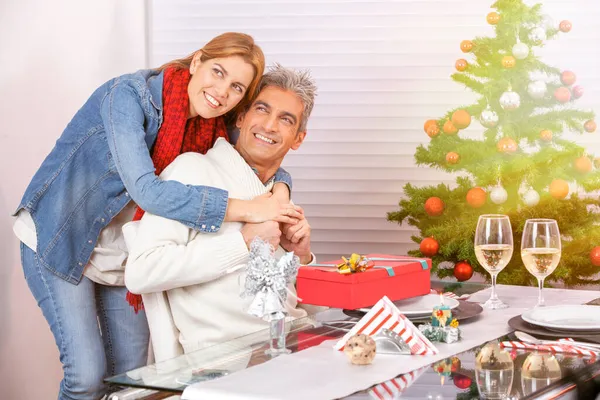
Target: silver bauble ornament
[
  {"x": 498, "y": 195},
  {"x": 531, "y": 198},
  {"x": 510, "y": 100},
  {"x": 537, "y": 89},
  {"x": 520, "y": 51},
  {"x": 537, "y": 35},
  {"x": 488, "y": 118}
]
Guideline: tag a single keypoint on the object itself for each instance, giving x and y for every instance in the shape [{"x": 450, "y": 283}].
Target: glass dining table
[{"x": 461, "y": 377}]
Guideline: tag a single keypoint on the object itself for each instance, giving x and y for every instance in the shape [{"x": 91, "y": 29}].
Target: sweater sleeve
[{"x": 164, "y": 254}]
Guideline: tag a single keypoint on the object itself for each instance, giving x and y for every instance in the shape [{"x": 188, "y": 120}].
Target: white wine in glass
[
  {"x": 540, "y": 250},
  {"x": 493, "y": 249}
]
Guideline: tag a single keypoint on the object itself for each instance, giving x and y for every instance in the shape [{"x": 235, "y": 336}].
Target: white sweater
[{"x": 191, "y": 281}]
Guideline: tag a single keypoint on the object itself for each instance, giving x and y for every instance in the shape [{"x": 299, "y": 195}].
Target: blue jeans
[{"x": 97, "y": 332}]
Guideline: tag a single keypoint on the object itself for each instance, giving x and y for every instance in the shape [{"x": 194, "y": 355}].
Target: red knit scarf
[{"x": 178, "y": 135}]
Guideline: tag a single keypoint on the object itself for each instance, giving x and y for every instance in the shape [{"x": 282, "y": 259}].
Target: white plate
[
  {"x": 571, "y": 318},
  {"x": 422, "y": 305}
]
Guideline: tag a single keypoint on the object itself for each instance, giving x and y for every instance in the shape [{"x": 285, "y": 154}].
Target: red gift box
[{"x": 324, "y": 286}]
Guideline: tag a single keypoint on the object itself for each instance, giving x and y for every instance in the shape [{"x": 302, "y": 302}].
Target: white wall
[{"x": 53, "y": 54}]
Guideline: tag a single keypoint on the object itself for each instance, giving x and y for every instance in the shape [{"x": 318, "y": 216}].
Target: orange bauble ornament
[
  {"x": 433, "y": 130},
  {"x": 562, "y": 94},
  {"x": 559, "y": 189},
  {"x": 567, "y": 78},
  {"x": 429, "y": 247},
  {"x": 508, "y": 62},
  {"x": 428, "y": 123},
  {"x": 461, "y": 119},
  {"x": 493, "y": 18},
  {"x": 595, "y": 256},
  {"x": 546, "y": 135},
  {"x": 461, "y": 64},
  {"x": 466, "y": 46},
  {"x": 476, "y": 197},
  {"x": 583, "y": 164},
  {"x": 590, "y": 126},
  {"x": 449, "y": 128},
  {"x": 463, "y": 271},
  {"x": 452, "y": 158},
  {"x": 507, "y": 145},
  {"x": 434, "y": 206},
  {"x": 565, "y": 26}
]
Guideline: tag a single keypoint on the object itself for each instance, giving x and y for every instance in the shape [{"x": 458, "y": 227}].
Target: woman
[{"x": 70, "y": 218}]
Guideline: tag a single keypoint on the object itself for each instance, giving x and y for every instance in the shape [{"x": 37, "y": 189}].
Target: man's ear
[
  {"x": 298, "y": 141},
  {"x": 240, "y": 119},
  {"x": 196, "y": 61}
]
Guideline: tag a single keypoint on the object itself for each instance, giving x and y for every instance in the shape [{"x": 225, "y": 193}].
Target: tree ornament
[
  {"x": 595, "y": 256},
  {"x": 565, "y": 26},
  {"x": 537, "y": 35},
  {"x": 466, "y": 46},
  {"x": 562, "y": 94},
  {"x": 461, "y": 119},
  {"x": 510, "y": 100},
  {"x": 428, "y": 123},
  {"x": 493, "y": 18},
  {"x": 455, "y": 364},
  {"x": 520, "y": 51},
  {"x": 461, "y": 64},
  {"x": 433, "y": 130},
  {"x": 476, "y": 197},
  {"x": 463, "y": 271},
  {"x": 559, "y": 189},
  {"x": 449, "y": 128},
  {"x": 452, "y": 158},
  {"x": 498, "y": 195},
  {"x": 577, "y": 91},
  {"x": 462, "y": 381},
  {"x": 537, "y": 89},
  {"x": 546, "y": 135},
  {"x": 429, "y": 247},
  {"x": 507, "y": 145},
  {"x": 590, "y": 126},
  {"x": 508, "y": 62},
  {"x": 583, "y": 164},
  {"x": 488, "y": 118},
  {"x": 434, "y": 206},
  {"x": 531, "y": 198},
  {"x": 568, "y": 78}
]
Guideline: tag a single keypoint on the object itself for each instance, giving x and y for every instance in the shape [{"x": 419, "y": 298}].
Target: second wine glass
[{"x": 493, "y": 249}]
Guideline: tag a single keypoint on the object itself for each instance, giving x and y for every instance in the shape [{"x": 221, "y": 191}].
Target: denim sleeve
[
  {"x": 199, "y": 207},
  {"x": 284, "y": 177}
]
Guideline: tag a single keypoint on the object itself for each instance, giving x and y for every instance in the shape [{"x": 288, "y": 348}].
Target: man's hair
[{"x": 298, "y": 82}]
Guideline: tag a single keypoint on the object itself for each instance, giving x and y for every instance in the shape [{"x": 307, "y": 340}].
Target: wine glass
[
  {"x": 494, "y": 372},
  {"x": 539, "y": 370},
  {"x": 493, "y": 249},
  {"x": 540, "y": 250}
]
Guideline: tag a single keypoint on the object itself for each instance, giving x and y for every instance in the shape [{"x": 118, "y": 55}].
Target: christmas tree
[{"x": 520, "y": 166}]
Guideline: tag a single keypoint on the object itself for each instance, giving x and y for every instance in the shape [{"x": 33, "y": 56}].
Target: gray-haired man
[{"x": 190, "y": 281}]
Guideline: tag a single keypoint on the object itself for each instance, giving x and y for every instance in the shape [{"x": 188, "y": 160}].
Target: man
[{"x": 191, "y": 281}]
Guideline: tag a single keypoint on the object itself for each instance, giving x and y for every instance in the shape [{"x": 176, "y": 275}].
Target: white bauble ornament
[
  {"x": 510, "y": 100},
  {"x": 537, "y": 35},
  {"x": 548, "y": 22},
  {"x": 537, "y": 89},
  {"x": 520, "y": 51},
  {"x": 488, "y": 118},
  {"x": 531, "y": 198},
  {"x": 498, "y": 195}
]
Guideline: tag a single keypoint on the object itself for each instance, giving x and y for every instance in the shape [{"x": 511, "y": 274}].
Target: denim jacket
[{"x": 100, "y": 163}]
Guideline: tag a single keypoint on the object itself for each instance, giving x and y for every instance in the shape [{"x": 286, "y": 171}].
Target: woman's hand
[{"x": 263, "y": 208}]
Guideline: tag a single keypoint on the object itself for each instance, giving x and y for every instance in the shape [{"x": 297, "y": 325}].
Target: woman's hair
[{"x": 227, "y": 45}]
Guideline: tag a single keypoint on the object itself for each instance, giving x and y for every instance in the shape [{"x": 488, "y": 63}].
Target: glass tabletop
[{"x": 463, "y": 376}]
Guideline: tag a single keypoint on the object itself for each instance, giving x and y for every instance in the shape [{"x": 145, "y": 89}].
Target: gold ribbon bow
[{"x": 356, "y": 263}]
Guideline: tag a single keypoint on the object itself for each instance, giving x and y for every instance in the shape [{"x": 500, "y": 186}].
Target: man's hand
[
  {"x": 296, "y": 238},
  {"x": 267, "y": 231}
]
